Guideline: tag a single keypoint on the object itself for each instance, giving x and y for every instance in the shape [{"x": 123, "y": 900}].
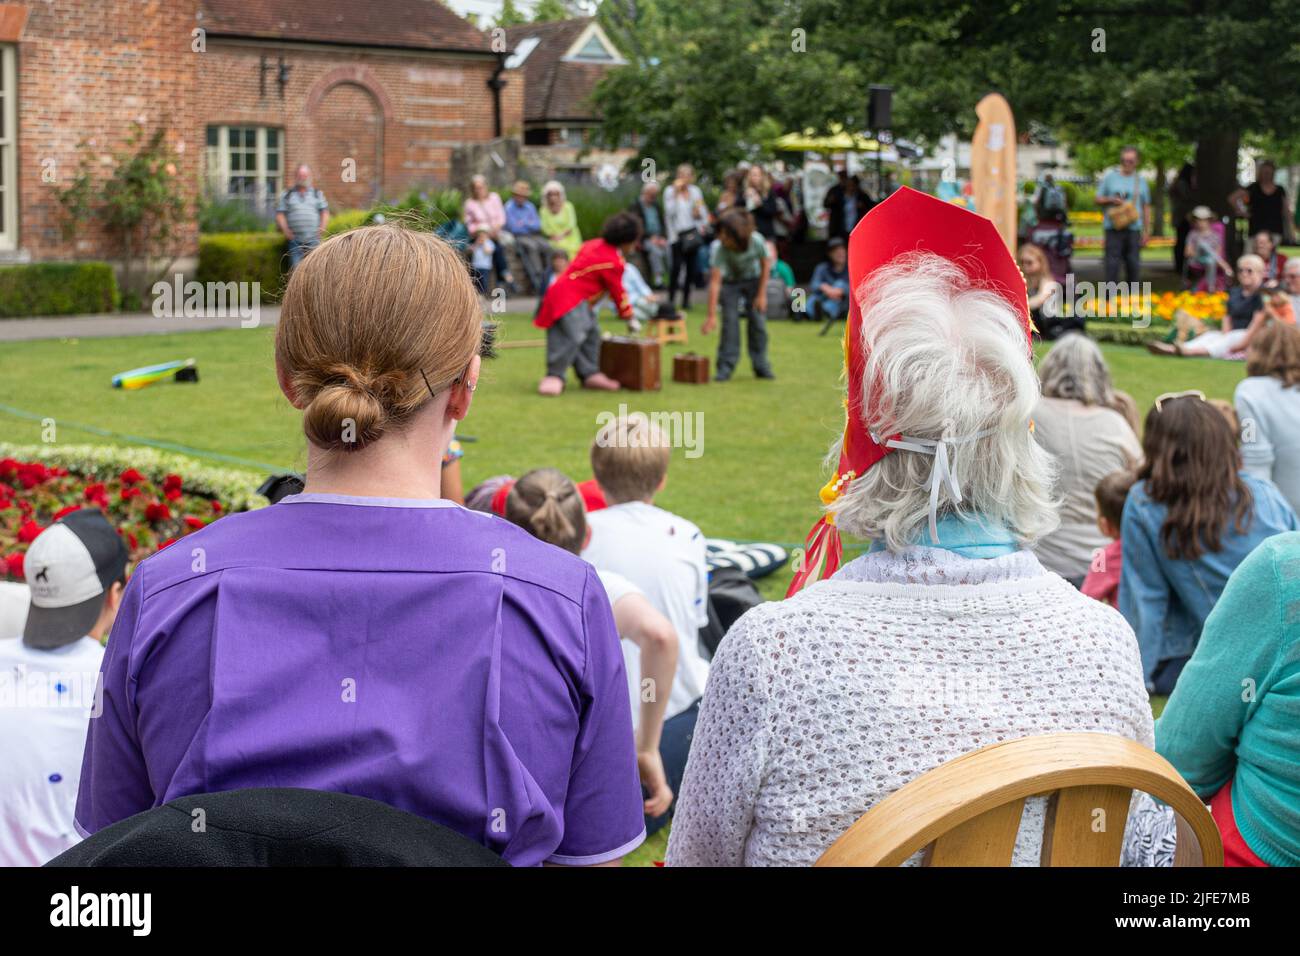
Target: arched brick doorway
[{"x": 348, "y": 127}]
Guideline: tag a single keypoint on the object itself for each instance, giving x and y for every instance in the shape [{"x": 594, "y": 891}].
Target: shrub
[
  {"x": 57, "y": 288},
  {"x": 244, "y": 257},
  {"x": 347, "y": 220},
  {"x": 594, "y": 205},
  {"x": 1124, "y": 333},
  {"x": 229, "y": 215}
]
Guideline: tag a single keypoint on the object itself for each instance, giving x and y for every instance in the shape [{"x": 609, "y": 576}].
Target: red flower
[
  {"x": 66, "y": 511},
  {"x": 29, "y": 531},
  {"x": 8, "y": 467},
  {"x": 172, "y": 494},
  {"x": 195, "y": 523},
  {"x": 132, "y": 540},
  {"x": 97, "y": 494},
  {"x": 171, "y": 482},
  {"x": 129, "y": 493},
  {"x": 131, "y": 477},
  {"x": 217, "y": 507},
  {"x": 14, "y": 564},
  {"x": 157, "y": 511},
  {"x": 5, "y": 503},
  {"x": 167, "y": 542}
]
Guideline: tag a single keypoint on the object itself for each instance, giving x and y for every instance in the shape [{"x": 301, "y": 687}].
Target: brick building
[
  {"x": 375, "y": 97},
  {"x": 562, "y": 62}
]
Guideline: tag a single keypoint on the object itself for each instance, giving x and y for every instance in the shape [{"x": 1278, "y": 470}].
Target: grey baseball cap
[{"x": 69, "y": 567}]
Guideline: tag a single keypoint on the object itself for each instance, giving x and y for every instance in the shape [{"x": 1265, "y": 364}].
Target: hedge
[
  {"x": 57, "y": 288},
  {"x": 1124, "y": 333},
  {"x": 244, "y": 257}
]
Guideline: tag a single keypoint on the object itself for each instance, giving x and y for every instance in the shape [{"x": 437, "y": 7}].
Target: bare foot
[
  {"x": 600, "y": 380},
  {"x": 550, "y": 385}
]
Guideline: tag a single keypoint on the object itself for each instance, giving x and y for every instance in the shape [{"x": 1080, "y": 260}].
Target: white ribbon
[{"x": 941, "y": 471}]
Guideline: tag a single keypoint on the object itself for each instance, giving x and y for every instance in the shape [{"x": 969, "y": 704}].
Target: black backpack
[{"x": 731, "y": 594}]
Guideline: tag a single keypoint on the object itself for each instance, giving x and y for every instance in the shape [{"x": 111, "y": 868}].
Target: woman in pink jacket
[{"x": 485, "y": 214}]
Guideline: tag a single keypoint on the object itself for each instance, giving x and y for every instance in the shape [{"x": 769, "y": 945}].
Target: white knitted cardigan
[{"x": 821, "y": 705}]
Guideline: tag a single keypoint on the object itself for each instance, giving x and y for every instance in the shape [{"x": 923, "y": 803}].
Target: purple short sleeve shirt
[{"x": 437, "y": 659}]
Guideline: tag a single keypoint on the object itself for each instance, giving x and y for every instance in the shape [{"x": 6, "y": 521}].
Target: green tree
[
  {"x": 510, "y": 15},
  {"x": 704, "y": 72},
  {"x": 548, "y": 11}
]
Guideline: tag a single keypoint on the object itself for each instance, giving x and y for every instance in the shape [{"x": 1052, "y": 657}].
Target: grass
[{"x": 757, "y": 477}]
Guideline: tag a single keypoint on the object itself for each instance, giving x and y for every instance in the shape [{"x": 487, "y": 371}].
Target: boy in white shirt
[
  {"x": 663, "y": 555},
  {"x": 76, "y": 570}
]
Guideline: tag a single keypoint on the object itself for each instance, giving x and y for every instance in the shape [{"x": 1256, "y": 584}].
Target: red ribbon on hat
[{"x": 908, "y": 221}]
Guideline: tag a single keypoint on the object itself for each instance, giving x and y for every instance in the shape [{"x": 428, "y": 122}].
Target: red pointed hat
[{"x": 906, "y": 222}]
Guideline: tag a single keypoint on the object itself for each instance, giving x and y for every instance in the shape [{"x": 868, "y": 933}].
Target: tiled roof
[
  {"x": 556, "y": 89},
  {"x": 415, "y": 24}
]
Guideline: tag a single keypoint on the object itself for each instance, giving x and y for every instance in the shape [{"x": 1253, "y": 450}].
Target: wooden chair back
[{"x": 966, "y": 812}]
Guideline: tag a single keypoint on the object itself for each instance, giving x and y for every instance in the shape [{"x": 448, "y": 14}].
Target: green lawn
[{"x": 756, "y": 478}]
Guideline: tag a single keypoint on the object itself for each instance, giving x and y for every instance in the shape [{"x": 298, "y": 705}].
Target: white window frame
[
  {"x": 9, "y": 149},
  {"x": 218, "y": 163}
]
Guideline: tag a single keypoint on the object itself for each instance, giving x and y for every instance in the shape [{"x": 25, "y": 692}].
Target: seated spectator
[
  {"x": 1230, "y": 726},
  {"x": 661, "y": 554},
  {"x": 829, "y": 296},
  {"x": 1243, "y": 318},
  {"x": 548, "y": 505},
  {"x": 1046, "y": 304},
  {"x": 525, "y": 228},
  {"x": 949, "y": 635},
  {"x": 1078, "y": 420},
  {"x": 654, "y": 234},
  {"x": 1193, "y": 515},
  {"x": 76, "y": 569},
  {"x": 482, "y": 255},
  {"x": 368, "y": 636},
  {"x": 567, "y": 312},
  {"x": 1102, "y": 582},
  {"x": 1291, "y": 284},
  {"x": 1268, "y": 406},
  {"x": 485, "y": 217},
  {"x": 1207, "y": 269},
  {"x": 1264, "y": 245},
  {"x": 560, "y": 220}
]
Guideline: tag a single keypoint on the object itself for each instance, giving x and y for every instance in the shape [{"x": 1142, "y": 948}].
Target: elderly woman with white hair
[
  {"x": 560, "y": 219},
  {"x": 1245, "y": 315},
  {"x": 949, "y": 635},
  {"x": 1086, "y": 425}
]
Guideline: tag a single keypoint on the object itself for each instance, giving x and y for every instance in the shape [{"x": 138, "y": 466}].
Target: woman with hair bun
[{"x": 367, "y": 636}]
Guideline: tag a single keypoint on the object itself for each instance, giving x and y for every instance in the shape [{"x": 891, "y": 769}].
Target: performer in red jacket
[{"x": 572, "y": 332}]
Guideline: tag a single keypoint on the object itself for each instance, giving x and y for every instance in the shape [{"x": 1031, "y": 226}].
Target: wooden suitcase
[
  {"x": 691, "y": 368},
  {"x": 633, "y": 363}
]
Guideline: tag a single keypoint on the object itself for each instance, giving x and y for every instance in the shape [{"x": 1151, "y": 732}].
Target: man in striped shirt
[{"x": 302, "y": 216}]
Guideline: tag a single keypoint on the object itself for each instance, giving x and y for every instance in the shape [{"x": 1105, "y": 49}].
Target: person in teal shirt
[
  {"x": 1232, "y": 720},
  {"x": 1124, "y": 244}
]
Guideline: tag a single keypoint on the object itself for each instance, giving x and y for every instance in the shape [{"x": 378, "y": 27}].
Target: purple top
[{"x": 440, "y": 660}]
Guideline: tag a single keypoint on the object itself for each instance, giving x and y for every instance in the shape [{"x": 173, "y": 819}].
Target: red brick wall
[
  {"x": 397, "y": 114},
  {"x": 85, "y": 71},
  {"x": 87, "y": 68}
]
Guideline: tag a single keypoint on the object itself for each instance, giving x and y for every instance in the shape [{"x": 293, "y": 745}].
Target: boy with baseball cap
[{"x": 76, "y": 570}]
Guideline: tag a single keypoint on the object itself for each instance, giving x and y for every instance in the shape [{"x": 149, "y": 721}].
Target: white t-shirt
[
  {"x": 617, "y": 587},
  {"x": 15, "y": 598},
  {"x": 46, "y": 698},
  {"x": 664, "y": 556}
]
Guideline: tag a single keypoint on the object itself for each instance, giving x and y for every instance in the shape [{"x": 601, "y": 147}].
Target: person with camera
[{"x": 1126, "y": 222}]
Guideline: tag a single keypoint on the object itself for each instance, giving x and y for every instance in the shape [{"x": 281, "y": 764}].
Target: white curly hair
[{"x": 946, "y": 360}]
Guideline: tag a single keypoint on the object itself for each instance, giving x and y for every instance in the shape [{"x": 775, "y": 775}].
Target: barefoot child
[{"x": 567, "y": 313}]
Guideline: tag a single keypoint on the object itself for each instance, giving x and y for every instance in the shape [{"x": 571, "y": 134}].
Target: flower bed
[{"x": 152, "y": 499}]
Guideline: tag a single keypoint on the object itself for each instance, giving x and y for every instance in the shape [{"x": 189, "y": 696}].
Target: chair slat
[
  {"x": 986, "y": 840},
  {"x": 1085, "y": 826}
]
